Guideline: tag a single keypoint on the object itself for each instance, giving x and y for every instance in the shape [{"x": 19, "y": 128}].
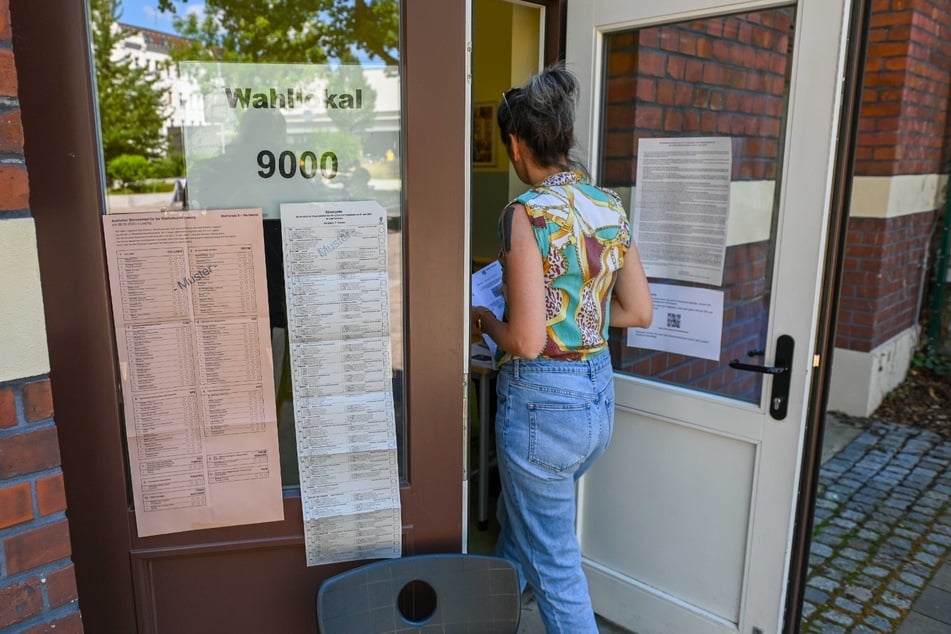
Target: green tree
[
  {"x": 129, "y": 170},
  {"x": 131, "y": 99},
  {"x": 314, "y": 31}
]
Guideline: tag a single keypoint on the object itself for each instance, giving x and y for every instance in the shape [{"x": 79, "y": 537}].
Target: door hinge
[
  {"x": 469, "y": 63},
  {"x": 816, "y": 359}
]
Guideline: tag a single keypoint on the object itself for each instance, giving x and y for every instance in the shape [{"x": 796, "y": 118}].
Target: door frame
[
  {"x": 829, "y": 289},
  {"x": 67, "y": 200}
]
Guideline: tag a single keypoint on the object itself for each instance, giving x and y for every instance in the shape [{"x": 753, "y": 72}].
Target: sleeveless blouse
[{"x": 582, "y": 234}]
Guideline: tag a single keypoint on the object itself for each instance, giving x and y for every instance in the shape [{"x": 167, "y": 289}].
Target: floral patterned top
[{"x": 582, "y": 233}]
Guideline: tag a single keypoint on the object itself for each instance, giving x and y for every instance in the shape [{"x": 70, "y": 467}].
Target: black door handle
[
  {"x": 779, "y": 399},
  {"x": 762, "y": 369}
]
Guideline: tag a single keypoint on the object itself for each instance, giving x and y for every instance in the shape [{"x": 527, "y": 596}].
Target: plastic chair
[{"x": 443, "y": 593}]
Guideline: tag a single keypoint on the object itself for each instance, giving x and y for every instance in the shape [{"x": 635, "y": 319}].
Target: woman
[{"x": 570, "y": 271}]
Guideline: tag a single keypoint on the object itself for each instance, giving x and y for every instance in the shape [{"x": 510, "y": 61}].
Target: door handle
[
  {"x": 762, "y": 369},
  {"x": 779, "y": 399}
]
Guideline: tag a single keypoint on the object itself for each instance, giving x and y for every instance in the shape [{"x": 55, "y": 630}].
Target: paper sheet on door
[
  {"x": 338, "y": 314},
  {"x": 190, "y": 307}
]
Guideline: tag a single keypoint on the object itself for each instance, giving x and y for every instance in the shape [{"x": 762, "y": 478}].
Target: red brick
[
  {"x": 621, "y": 64},
  {"x": 688, "y": 44},
  {"x": 888, "y": 49},
  {"x": 8, "y": 410},
  {"x": 665, "y": 92},
  {"x": 37, "y": 547},
  {"x": 676, "y": 67},
  {"x": 673, "y": 121},
  {"x": 890, "y": 19},
  {"x": 8, "y": 74},
  {"x": 71, "y": 624},
  {"x": 650, "y": 63},
  {"x": 670, "y": 39},
  {"x": 11, "y": 132},
  {"x": 712, "y": 74},
  {"x": 37, "y": 401},
  {"x": 61, "y": 586},
  {"x": 26, "y": 453},
  {"x": 16, "y": 505},
  {"x": 14, "y": 186},
  {"x": 5, "y": 33},
  {"x": 50, "y": 494},
  {"x": 648, "y": 117},
  {"x": 621, "y": 89},
  {"x": 20, "y": 601}
]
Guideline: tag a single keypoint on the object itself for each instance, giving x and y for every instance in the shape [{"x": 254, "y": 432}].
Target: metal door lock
[{"x": 781, "y": 374}]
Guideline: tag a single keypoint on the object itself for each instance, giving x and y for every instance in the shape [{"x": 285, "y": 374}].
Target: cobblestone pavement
[{"x": 882, "y": 529}]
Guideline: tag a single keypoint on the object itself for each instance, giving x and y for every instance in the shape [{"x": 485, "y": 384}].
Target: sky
[{"x": 143, "y": 13}]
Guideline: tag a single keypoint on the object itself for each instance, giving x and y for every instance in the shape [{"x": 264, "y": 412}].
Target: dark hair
[{"x": 542, "y": 114}]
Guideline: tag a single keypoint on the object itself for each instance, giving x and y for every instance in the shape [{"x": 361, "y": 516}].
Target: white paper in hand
[{"x": 487, "y": 291}]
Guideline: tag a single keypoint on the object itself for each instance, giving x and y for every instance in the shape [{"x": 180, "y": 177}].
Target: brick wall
[
  {"x": 37, "y": 581},
  {"x": 717, "y": 76},
  {"x": 904, "y": 122},
  {"x": 904, "y": 130},
  {"x": 882, "y": 282}
]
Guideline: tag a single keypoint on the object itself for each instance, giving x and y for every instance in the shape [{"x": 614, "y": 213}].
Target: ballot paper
[
  {"x": 487, "y": 291},
  {"x": 338, "y": 316}
]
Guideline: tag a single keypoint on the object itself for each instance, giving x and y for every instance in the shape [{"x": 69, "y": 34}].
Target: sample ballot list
[
  {"x": 338, "y": 319},
  {"x": 192, "y": 335}
]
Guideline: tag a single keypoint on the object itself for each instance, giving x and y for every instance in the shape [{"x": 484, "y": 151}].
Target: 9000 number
[{"x": 288, "y": 165}]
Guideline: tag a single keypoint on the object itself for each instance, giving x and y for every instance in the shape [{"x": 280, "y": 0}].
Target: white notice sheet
[
  {"x": 681, "y": 207},
  {"x": 338, "y": 317},
  {"x": 189, "y": 298},
  {"x": 687, "y": 321},
  {"x": 487, "y": 291}
]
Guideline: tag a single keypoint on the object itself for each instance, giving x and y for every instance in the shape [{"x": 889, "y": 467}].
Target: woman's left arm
[
  {"x": 523, "y": 335},
  {"x": 631, "y": 303}
]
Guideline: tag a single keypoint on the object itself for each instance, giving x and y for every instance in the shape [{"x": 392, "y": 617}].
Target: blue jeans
[{"x": 554, "y": 419}]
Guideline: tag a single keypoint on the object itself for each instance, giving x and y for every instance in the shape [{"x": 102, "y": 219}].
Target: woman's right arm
[
  {"x": 523, "y": 335},
  {"x": 631, "y": 303}
]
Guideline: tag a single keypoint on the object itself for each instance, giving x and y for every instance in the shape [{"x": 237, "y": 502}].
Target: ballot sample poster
[
  {"x": 687, "y": 321},
  {"x": 338, "y": 316},
  {"x": 681, "y": 207},
  {"x": 189, "y": 299}
]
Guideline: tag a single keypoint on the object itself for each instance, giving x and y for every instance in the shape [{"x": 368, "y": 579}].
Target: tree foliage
[
  {"x": 128, "y": 169},
  {"x": 131, "y": 101},
  {"x": 290, "y": 31}
]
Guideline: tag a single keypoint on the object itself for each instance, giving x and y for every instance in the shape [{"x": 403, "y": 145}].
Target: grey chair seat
[{"x": 444, "y": 593}]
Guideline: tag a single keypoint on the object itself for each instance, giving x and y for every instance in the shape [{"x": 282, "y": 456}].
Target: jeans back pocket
[{"x": 561, "y": 435}]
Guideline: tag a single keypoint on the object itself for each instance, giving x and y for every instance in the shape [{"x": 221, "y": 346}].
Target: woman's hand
[{"x": 476, "y": 323}]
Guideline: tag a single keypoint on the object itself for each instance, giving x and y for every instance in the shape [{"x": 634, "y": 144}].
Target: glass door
[{"x": 717, "y": 127}]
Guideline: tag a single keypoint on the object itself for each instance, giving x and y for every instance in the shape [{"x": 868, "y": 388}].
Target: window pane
[
  {"x": 236, "y": 106},
  {"x": 723, "y": 79}
]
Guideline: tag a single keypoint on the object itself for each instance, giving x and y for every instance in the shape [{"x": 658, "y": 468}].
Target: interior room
[{"x": 507, "y": 48}]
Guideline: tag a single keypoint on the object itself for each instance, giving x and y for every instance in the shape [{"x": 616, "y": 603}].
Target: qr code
[{"x": 673, "y": 320}]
